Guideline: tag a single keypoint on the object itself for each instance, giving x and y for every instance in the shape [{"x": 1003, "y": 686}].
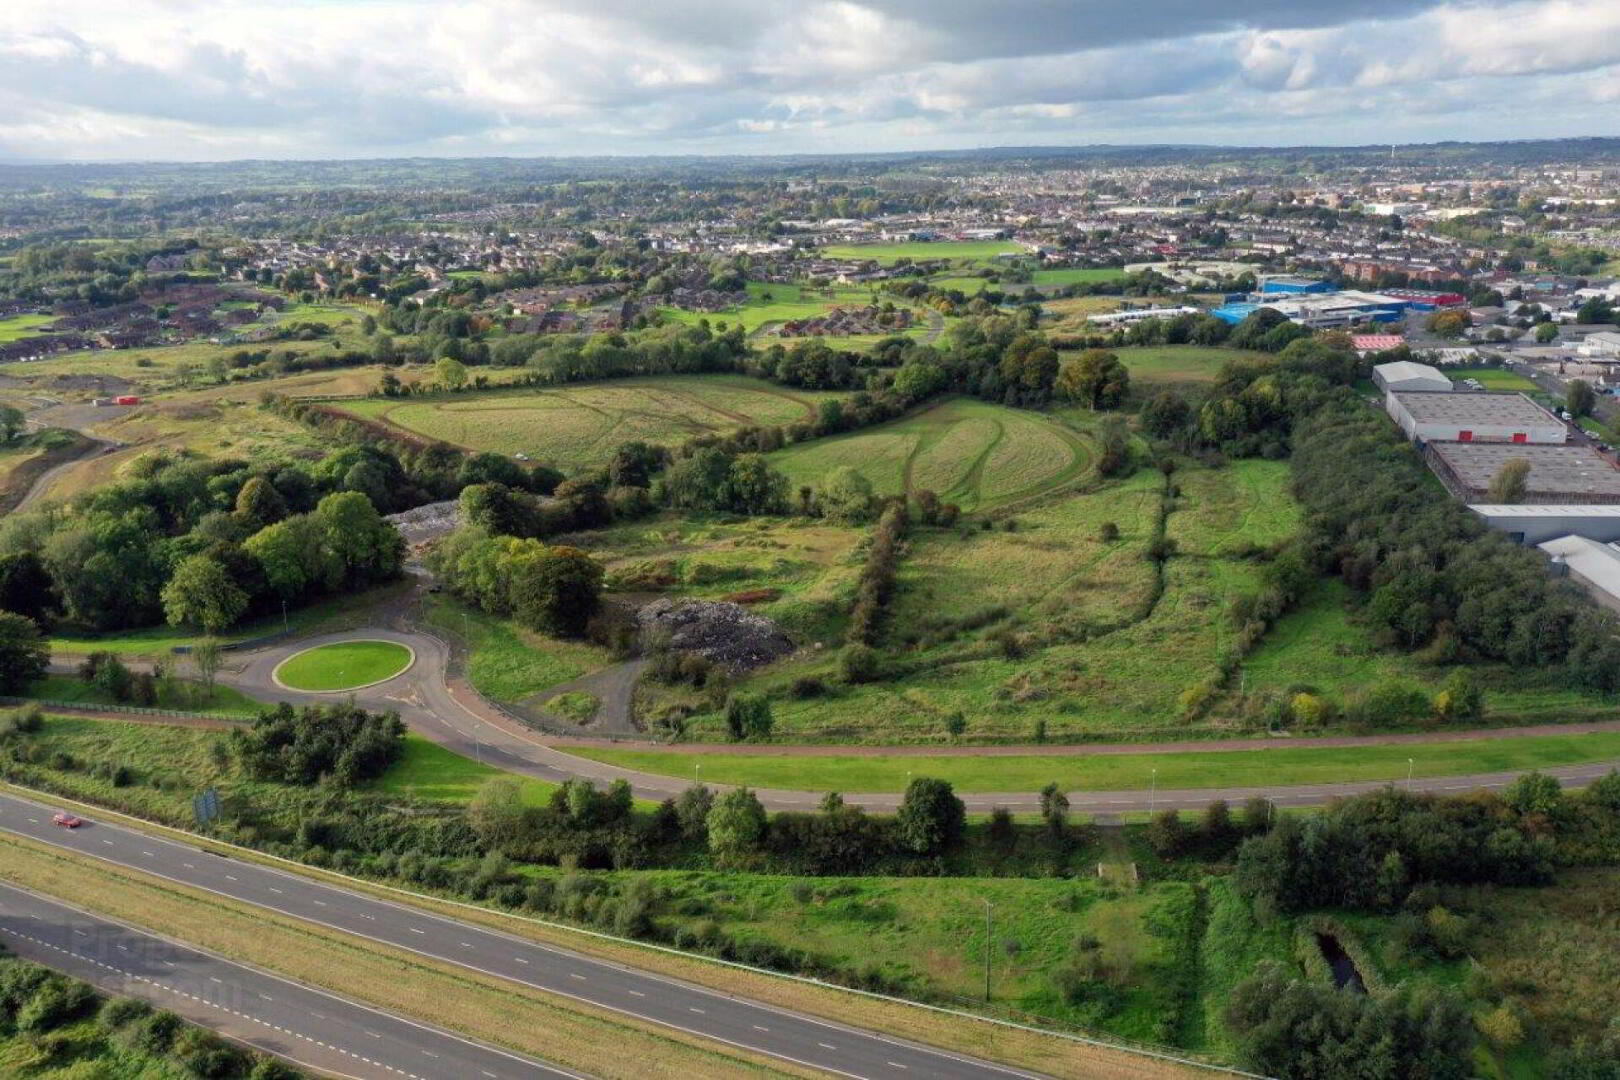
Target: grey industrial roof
[
  {"x": 1555, "y": 468},
  {"x": 1478, "y": 408},
  {"x": 1544, "y": 510},
  {"x": 1400, "y": 370},
  {"x": 1597, "y": 563}
]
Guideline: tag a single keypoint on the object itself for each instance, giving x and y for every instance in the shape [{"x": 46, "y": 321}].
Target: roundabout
[{"x": 342, "y": 666}]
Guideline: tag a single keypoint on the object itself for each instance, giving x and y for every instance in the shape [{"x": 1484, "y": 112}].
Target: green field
[
  {"x": 1493, "y": 378},
  {"x": 21, "y": 326},
  {"x": 1178, "y": 363},
  {"x": 577, "y": 427},
  {"x": 1043, "y": 621},
  {"x": 1281, "y": 767},
  {"x": 1321, "y": 645},
  {"x": 969, "y": 452},
  {"x": 967, "y": 251},
  {"x": 344, "y": 665},
  {"x": 1078, "y": 275},
  {"x": 773, "y": 302},
  {"x": 508, "y": 662},
  {"x": 426, "y": 770}
]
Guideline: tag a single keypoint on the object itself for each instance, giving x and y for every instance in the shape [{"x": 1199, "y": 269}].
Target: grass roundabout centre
[{"x": 344, "y": 665}]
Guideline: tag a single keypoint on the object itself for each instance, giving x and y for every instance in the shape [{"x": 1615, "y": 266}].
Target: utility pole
[
  {"x": 1408, "y": 774},
  {"x": 1153, "y": 794},
  {"x": 988, "y": 907}
]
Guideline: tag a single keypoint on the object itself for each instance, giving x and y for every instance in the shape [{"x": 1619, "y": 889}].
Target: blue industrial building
[{"x": 1284, "y": 283}]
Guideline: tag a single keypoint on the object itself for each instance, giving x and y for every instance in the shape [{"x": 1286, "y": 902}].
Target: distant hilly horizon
[{"x": 1548, "y": 149}]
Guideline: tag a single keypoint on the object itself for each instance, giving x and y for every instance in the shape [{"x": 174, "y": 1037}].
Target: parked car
[{"x": 67, "y": 820}]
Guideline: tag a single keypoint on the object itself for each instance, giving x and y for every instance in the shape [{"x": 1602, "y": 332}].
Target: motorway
[
  {"x": 308, "y": 1027},
  {"x": 833, "y": 1048}
]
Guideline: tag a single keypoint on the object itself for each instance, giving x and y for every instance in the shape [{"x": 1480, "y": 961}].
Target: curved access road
[
  {"x": 446, "y": 710},
  {"x": 833, "y": 1048},
  {"x": 308, "y": 1027}
]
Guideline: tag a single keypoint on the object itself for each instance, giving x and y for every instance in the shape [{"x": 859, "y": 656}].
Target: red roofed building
[{"x": 1370, "y": 343}]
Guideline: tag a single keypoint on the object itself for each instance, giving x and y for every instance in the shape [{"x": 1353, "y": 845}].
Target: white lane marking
[
  {"x": 573, "y": 975},
  {"x": 761, "y": 1027},
  {"x": 694, "y": 1008},
  {"x": 826, "y": 1046},
  {"x": 897, "y": 1065},
  {"x": 637, "y": 993}
]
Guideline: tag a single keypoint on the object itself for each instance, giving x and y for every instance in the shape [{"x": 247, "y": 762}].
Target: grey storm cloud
[{"x": 311, "y": 77}]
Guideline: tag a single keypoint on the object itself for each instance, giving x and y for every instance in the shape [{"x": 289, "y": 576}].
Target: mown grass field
[
  {"x": 578, "y": 426},
  {"x": 21, "y": 326},
  {"x": 966, "y": 251},
  {"x": 1078, "y": 275},
  {"x": 1283, "y": 766},
  {"x": 969, "y": 452},
  {"x": 1493, "y": 378}
]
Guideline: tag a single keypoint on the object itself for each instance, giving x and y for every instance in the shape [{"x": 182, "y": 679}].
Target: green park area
[{"x": 343, "y": 665}]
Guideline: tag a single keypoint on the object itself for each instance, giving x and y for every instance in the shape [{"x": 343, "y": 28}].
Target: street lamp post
[
  {"x": 1409, "y": 774},
  {"x": 1153, "y": 794},
  {"x": 988, "y": 907}
]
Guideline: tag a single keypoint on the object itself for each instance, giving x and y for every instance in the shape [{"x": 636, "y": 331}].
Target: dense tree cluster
[
  {"x": 1300, "y": 1030},
  {"x": 554, "y": 589},
  {"x": 23, "y": 653},
  {"x": 203, "y": 542},
  {"x": 341, "y": 744},
  {"x": 1371, "y": 851}
]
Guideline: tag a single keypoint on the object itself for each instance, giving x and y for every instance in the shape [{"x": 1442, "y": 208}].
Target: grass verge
[{"x": 1284, "y": 766}]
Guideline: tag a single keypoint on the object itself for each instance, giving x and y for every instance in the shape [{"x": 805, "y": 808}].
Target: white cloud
[{"x": 213, "y": 78}]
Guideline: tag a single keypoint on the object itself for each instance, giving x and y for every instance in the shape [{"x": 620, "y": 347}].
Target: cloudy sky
[{"x": 219, "y": 79}]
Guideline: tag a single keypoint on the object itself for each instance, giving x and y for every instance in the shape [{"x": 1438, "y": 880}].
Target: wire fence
[{"x": 130, "y": 710}]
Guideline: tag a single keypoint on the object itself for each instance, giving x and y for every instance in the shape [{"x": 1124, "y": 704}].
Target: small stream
[{"x": 1345, "y": 975}]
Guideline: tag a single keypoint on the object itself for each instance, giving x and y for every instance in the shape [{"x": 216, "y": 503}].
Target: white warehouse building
[
  {"x": 1409, "y": 375},
  {"x": 1430, "y": 416}
]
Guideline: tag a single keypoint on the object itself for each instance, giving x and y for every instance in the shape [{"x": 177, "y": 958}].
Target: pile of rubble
[
  {"x": 722, "y": 633},
  {"x": 428, "y": 522}
]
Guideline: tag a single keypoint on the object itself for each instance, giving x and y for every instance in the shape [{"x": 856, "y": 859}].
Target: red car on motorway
[{"x": 67, "y": 820}]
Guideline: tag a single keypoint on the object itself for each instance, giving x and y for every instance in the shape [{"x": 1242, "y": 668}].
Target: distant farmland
[
  {"x": 575, "y": 427},
  {"x": 968, "y": 452}
]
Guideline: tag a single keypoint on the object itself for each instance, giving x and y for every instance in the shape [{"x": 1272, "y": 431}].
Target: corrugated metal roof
[{"x": 1597, "y": 563}]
